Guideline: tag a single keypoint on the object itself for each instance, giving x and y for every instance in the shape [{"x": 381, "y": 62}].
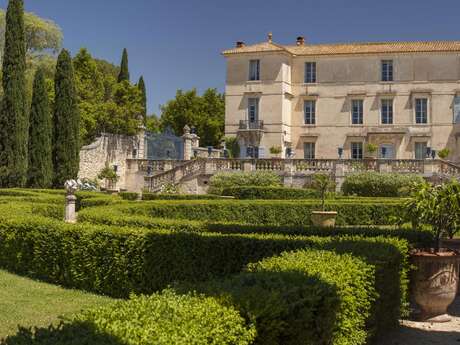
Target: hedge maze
[{"x": 212, "y": 271}]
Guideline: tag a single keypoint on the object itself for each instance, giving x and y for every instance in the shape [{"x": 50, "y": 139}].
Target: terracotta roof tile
[{"x": 351, "y": 48}]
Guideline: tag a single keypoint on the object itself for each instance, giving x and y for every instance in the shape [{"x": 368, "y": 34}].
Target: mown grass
[{"x": 28, "y": 303}]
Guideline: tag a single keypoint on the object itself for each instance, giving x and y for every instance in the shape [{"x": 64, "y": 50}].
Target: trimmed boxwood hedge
[
  {"x": 154, "y": 196},
  {"x": 352, "y": 212},
  {"x": 119, "y": 261},
  {"x": 376, "y": 184},
  {"x": 273, "y": 193},
  {"x": 301, "y": 296},
  {"x": 162, "y": 319}
]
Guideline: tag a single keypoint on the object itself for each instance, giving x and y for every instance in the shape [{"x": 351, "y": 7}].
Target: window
[
  {"x": 457, "y": 109},
  {"x": 387, "y": 151},
  {"x": 310, "y": 72},
  {"x": 254, "y": 70},
  {"x": 420, "y": 150},
  {"x": 252, "y": 152},
  {"x": 309, "y": 150},
  {"x": 421, "y": 110},
  {"x": 387, "y": 111},
  {"x": 357, "y": 150},
  {"x": 387, "y": 70},
  {"x": 310, "y": 112},
  {"x": 357, "y": 112},
  {"x": 253, "y": 109}
]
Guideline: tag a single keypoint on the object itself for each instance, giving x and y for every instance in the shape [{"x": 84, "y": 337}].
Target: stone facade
[{"x": 346, "y": 76}]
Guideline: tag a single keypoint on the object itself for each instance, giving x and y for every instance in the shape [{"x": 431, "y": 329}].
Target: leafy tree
[
  {"x": 153, "y": 124},
  {"x": 90, "y": 87},
  {"x": 206, "y": 113},
  {"x": 110, "y": 74},
  {"x": 124, "y": 70},
  {"x": 40, "y": 171},
  {"x": 233, "y": 147},
  {"x": 13, "y": 116},
  {"x": 141, "y": 86},
  {"x": 66, "y": 143}
]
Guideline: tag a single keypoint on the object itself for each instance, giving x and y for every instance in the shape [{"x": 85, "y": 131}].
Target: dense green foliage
[
  {"x": 283, "y": 212},
  {"x": 339, "y": 289},
  {"x": 163, "y": 319},
  {"x": 379, "y": 184},
  {"x": 273, "y": 193},
  {"x": 206, "y": 113},
  {"x": 14, "y": 121},
  {"x": 156, "y": 196},
  {"x": 40, "y": 168},
  {"x": 66, "y": 131},
  {"x": 124, "y": 68},
  {"x": 220, "y": 181},
  {"x": 141, "y": 86},
  {"x": 232, "y": 146}
]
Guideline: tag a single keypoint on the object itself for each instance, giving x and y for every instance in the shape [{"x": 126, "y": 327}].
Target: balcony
[{"x": 246, "y": 125}]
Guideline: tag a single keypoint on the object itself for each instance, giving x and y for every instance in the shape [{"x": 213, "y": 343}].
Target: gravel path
[{"x": 421, "y": 333}]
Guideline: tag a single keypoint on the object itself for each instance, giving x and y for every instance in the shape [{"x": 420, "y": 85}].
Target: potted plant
[
  {"x": 444, "y": 153},
  {"x": 110, "y": 176},
  {"x": 276, "y": 151},
  {"x": 435, "y": 279},
  {"x": 371, "y": 149},
  {"x": 323, "y": 183}
]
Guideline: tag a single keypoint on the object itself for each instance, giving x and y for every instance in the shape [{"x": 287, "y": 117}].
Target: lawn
[{"x": 27, "y": 303}]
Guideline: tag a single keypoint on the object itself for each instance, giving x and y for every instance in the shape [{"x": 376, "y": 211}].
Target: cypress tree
[
  {"x": 124, "y": 70},
  {"x": 66, "y": 131},
  {"x": 13, "y": 115},
  {"x": 40, "y": 171},
  {"x": 141, "y": 86}
]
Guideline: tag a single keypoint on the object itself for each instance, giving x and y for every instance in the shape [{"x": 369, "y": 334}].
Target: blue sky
[{"x": 177, "y": 44}]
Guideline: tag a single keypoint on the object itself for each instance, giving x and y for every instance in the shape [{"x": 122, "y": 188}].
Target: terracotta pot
[
  {"x": 435, "y": 283},
  {"x": 323, "y": 219}
]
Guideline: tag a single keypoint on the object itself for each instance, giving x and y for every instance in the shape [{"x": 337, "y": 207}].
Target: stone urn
[
  {"x": 323, "y": 219},
  {"x": 435, "y": 283}
]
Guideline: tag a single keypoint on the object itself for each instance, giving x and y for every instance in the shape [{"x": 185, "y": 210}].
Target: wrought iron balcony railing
[{"x": 251, "y": 125}]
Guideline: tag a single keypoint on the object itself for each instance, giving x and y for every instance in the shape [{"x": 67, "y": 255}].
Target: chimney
[
  {"x": 240, "y": 44},
  {"x": 300, "y": 41}
]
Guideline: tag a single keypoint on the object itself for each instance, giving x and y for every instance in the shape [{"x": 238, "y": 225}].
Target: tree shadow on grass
[{"x": 78, "y": 333}]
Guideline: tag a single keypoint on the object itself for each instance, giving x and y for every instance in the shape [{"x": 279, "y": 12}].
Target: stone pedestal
[
  {"x": 70, "y": 214},
  {"x": 339, "y": 175}
]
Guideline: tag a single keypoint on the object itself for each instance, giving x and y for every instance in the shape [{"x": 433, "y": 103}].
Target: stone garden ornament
[{"x": 71, "y": 186}]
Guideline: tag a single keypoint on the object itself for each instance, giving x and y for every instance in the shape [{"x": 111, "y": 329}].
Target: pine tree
[
  {"x": 124, "y": 70},
  {"x": 66, "y": 143},
  {"x": 141, "y": 86},
  {"x": 40, "y": 171},
  {"x": 13, "y": 114}
]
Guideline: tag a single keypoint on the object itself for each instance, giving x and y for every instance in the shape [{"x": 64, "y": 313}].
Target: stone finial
[
  {"x": 270, "y": 37},
  {"x": 186, "y": 129}
]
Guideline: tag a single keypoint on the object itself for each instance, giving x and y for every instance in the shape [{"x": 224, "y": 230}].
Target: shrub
[
  {"x": 154, "y": 196},
  {"x": 378, "y": 185},
  {"x": 274, "y": 193},
  {"x": 161, "y": 319},
  {"x": 354, "y": 212},
  {"x": 258, "y": 178},
  {"x": 129, "y": 196}
]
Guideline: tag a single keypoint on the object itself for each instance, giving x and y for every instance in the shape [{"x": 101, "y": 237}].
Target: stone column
[
  {"x": 141, "y": 152},
  {"x": 339, "y": 175},
  {"x": 188, "y": 138},
  {"x": 70, "y": 214},
  {"x": 288, "y": 172}
]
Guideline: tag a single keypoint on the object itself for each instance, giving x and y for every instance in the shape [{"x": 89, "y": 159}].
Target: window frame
[
  {"x": 359, "y": 151},
  {"x": 312, "y": 150},
  {"x": 254, "y": 75},
  {"x": 361, "y": 101},
  {"x": 391, "y": 102},
  {"x": 387, "y": 71},
  {"x": 256, "y": 108},
  {"x": 310, "y": 74},
  {"x": 312, "y": 113},
  {"x": 427, "y": 107},
  {"x": 423, "y": 151}
]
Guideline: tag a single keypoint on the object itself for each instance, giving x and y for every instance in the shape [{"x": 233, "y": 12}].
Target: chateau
[{"x": 315, "y": 101}]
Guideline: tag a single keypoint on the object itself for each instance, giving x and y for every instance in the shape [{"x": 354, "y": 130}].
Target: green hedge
[
  {"x": 275, "y": 193},
  {"x": 302, "y": 296},
  {"x": 378, "y": 184},
  {"x": 119, "y": 216},
  {"x": 160, "y": 319},
  {"x": 220, "y": 181},
  {"x": 269, "y": 212},
  {"x": 119, "y": 261},
  {"x": 153, "y": 196},
  {"x": 129, "y": 196}
]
